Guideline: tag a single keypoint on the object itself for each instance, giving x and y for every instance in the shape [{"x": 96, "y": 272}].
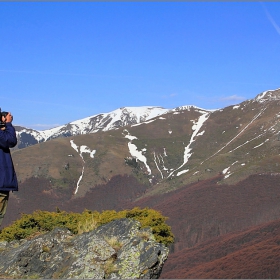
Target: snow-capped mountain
[
  {"x": 211, "y": 173},
  {"x": 100, "y": 122},
  {"x": 116, "y": 119},
  {"x": 268, "y": 95},
  {"x": 163, "y": 143}
]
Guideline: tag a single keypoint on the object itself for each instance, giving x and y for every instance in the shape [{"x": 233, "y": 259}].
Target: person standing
[{"x": 8, "y": 178}]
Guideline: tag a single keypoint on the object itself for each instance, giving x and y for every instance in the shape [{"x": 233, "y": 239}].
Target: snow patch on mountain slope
[
  {"x": 150, "y": 121},
  {"x": 138, "y": 155},
  {"x": 155, "y": 160},
  {"x": 74, "y": 146},
  {"x": 182, "y": 172},
  {"x": 81, "y": 150},
  {"x": 245, "y": 143},
  {"x": 159, "y": 162},
  {"x": 189, "y": 107},
  {"x": 196, "y": 127},
  {"x": 86, "y": 149},
  {"x": 272, "y": 129},
  {"x": 261, "y": 144},
  {"x": 227, "y": 175},
  {"x": 200, "y": 133},
  {"x": 129, "y": 136},
  {"x": 226, "y": 172},
  {"x": 134, "y": 151},
  {"x": 253, "y": 119}
]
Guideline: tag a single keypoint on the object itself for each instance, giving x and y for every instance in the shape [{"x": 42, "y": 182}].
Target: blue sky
[{"x": 63, "y": 61}]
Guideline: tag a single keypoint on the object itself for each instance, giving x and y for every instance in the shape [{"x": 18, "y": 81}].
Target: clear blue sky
[{"x": 63, "y": 61}]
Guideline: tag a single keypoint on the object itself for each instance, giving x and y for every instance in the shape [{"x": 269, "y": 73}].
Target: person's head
[{"x": 6, "y": 117}]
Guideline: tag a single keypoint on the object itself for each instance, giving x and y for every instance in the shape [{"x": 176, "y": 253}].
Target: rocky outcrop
[{"x": 119, "y": 249}]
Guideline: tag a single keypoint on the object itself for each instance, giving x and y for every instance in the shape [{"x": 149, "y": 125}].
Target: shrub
[{"x": 44, "y": 221}]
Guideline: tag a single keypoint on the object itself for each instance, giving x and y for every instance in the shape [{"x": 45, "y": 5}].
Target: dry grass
[
  {"x": 114, "y": 243},
  {"x": 110, "y": 267},
  {"x": 87, "y": 225}
]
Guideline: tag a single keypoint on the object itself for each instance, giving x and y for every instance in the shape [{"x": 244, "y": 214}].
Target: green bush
[{"x": 43, "y": 221}]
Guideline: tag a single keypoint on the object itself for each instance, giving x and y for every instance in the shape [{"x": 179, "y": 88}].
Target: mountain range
[
  {"x": 214, "y": 173},
  {"x": 100, "y": 122}
]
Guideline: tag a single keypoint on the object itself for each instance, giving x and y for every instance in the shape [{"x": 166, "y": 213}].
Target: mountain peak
[{"x": 268, "y": 95}]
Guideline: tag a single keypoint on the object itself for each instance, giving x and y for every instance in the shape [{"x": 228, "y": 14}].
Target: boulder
[{"x": 119, "y": 249}]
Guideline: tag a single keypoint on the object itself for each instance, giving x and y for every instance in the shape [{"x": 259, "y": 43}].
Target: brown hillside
[
  {"x": 111, "y": 195},
  {"x": 197, "y": 212},
  {"x": 252, "y": 254},
  {"x": 205, "y": 210}
]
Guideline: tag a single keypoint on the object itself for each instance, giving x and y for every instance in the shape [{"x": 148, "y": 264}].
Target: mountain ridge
[
  {"x": 190, "y": 143},
  {"x": 113, "y": 120},
  {"x": 210, "y": 172},
  {"x": 101, "y": 122}
]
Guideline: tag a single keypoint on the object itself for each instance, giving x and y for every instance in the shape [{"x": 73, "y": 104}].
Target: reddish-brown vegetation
[
  {"x": 203, "y": 217},
  {"x": 110, "y": 196},
  {"x": 204, "y": 210},
  {"x": 250, "y": 254}
]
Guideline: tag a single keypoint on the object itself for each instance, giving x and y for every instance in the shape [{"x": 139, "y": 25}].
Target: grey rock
[{"x": 117, "y": 250}]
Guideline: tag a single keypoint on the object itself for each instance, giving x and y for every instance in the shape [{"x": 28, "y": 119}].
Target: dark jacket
[{"x": 8, "y": 178}]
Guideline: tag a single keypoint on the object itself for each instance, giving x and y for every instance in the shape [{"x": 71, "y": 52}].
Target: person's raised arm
[{"x": 8, "y": 137}]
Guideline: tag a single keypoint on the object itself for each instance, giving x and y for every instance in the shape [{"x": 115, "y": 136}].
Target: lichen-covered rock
[{"x": 119, "y": 249}]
